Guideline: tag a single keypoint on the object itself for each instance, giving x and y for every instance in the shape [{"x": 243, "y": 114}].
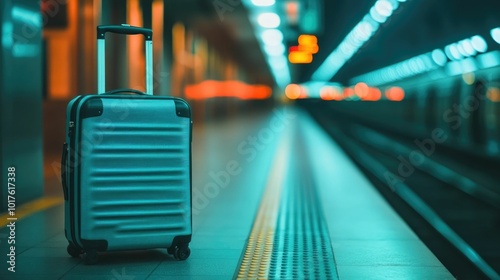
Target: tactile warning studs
[
  {"x": 298, "y": 246},
  {"x": 257, "y": 256},
  {"x": 302, "y": 247}
]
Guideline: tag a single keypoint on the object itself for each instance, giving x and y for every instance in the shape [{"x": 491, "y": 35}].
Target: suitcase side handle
[{"x": 101, "y": 51}]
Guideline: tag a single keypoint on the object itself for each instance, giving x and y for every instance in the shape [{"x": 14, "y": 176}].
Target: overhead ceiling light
[
  {"x": 359, "y": 35},
  {"x": 275, "y": 50},
  {"x": 265, "y": 23},
  {"x": 479, "y": 44},
  {"x": 467, "y": 47},
  {"x": 269, "y": 20},
  {"x": 407, "y": 68},
  {"x": 439, "y": 57},
  {"x": 495, "y": 34},
  {"x": 371, "y": 21},
  {"x": 263, "y": 3},
  {"x": 461, "y": 49},
  {"x": 384, "y": 8},
  {"x": 278, "y": 63},
  {"x": 459, "y": 53},
  {"x": 279, "y": 69},
  {"x": 448, "y": 53},
  {"x": 377, "y": 16},
  {"x": 454, "y": 52},
  {"x": 363, "y": 31},
  {"x": 394, "y": 4},
  {"x": 272, "y": 37}
]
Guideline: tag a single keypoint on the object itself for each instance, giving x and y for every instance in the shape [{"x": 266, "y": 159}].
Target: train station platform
[{"x": 274, "y": 197}]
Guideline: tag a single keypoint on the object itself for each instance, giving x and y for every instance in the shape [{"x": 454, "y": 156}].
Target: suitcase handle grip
[
  {"x": 101, "y": 56},
  {"x": 124, "y": 29},
  {"x": 122, "y": 90}
]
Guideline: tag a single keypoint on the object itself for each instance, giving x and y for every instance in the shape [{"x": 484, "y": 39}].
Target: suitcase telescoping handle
[{"x": 101, "y": 50}]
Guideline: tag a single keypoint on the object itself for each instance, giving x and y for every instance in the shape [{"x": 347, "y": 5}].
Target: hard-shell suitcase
[{"x": 126, "y": 167}]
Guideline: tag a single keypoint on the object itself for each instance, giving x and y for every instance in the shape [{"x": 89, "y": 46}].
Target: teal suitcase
[{"x": 126, "y": 167}]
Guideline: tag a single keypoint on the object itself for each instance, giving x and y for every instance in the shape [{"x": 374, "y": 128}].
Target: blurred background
[{"x": 415, "y": 84}]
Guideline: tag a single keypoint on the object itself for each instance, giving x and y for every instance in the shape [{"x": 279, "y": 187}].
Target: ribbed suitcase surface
[
  {"x": 135, "y": 174},
  {"x": 126, "y": 166}
]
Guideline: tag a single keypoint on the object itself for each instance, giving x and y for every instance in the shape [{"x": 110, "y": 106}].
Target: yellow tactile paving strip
[
  {"x": 30, "y": 208},
  {"x": 256, "y": 260}
]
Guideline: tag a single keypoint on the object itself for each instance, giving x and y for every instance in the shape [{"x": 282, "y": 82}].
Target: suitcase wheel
[
  {"x": 182, "y": 252},
  {"x": 73, "y": 250},
  {"x": 91, "y": 257}
]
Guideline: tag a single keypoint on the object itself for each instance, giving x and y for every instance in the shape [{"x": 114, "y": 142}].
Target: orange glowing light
[
  {"x": 494, "y": 94},
  {"x": 308, "y": 48},
  {"x": 348, "y": 92},
  {"x": 374, "y": 94},
  {"x": 237, "y": 89},
  {"x": 395, "y": 94},
  {"x": 303, "y": 92},
  {"x": 293, "y": 91},
  {"x": 330, "y": 93},
  {"x": 308, "y": 45},
  {"x": 361, "y": 90},
  {"x": 327, "y": 93},
  {"x": 308, "y": 40},
  {"x": 299, "y": 57},
  {"x": 292, "y": 7},
  {"x": 292, "y": 11}
]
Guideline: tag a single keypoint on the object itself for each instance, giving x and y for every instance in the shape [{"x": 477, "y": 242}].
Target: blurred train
[{"x": 460, "y": 110}]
